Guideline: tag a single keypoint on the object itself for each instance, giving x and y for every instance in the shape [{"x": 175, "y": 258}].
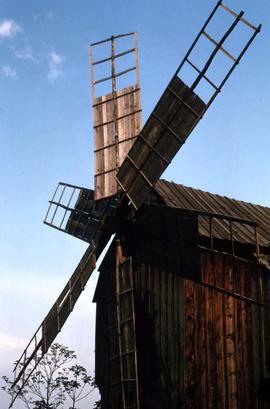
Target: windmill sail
[
  {"x": 74, "y": 211},
  {"x": 116, "y": 114},
  {"x": 57, "y": 316},
  {"x": 54, "y": 321},
  {"x": 176, "y": 114}
]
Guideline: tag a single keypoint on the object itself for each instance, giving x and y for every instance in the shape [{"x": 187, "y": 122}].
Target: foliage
[
  {"x": 53, "y": 381},
  {"x": 75, "y": 384}
]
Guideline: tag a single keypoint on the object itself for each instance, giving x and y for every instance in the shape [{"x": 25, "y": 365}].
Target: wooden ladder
[{"x": 124, "y": 386}]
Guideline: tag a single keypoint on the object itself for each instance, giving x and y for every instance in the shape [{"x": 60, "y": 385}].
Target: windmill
[{"x": 129, "y": 161}]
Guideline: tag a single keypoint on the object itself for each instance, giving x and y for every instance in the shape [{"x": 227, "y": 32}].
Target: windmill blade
[
  {"x": 57, "y": 316},
  {"x": 116, "y": 103},
  {"x": 176, "y": 114},
  {"x": 74, "y": 211}
]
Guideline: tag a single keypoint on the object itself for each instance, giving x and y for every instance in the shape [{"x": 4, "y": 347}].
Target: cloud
[
  {"x": 25, "y": 54},
  {"x": 11, "y": 348},
  {"x": 47, "y": 15},
  {"x": 9, "y": 343},
  {"x": 8, "y": 29},
  {"x": 55, "y": 62},
  {"x": 9, "y": 72}
]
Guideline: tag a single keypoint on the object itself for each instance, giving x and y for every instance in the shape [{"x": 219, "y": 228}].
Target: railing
[{"x": 225, "y": 229}]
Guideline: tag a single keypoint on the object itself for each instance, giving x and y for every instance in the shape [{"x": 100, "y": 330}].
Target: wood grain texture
[{"x": 117, "y": 122}]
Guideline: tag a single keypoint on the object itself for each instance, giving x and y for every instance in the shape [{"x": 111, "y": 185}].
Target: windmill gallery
[{"x": 182, "y": 298}]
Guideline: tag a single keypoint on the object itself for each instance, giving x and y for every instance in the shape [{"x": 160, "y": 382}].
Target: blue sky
[{"x": 46, "y": 136}]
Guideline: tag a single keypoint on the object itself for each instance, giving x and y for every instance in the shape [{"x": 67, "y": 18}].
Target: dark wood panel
[{"x": 167, "y": 128}]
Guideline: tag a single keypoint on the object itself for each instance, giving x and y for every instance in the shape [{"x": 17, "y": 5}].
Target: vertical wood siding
[{"x": 198, "y": 346}]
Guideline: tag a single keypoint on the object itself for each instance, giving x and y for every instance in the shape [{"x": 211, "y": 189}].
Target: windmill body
[
  {"x": 182, "y": 298},
  {"x": 191, "y": 295}
]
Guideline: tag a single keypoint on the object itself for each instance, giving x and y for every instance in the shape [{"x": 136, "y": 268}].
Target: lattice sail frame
[
  {"x": 116, "y": 116},
  {"x": 53, "y": 322},
  {"x": 74, "y": 211},
  {"x": 175, "y": 116}
]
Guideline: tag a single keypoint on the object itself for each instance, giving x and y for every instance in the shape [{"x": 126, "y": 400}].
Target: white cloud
[
  {"x": 9, "y": 72},
  {"x": 56, "y": 59},
  {"x": 10, "y": 343},
  {"x": 11, "y": 348},
  {"x": 9, "y": 28},
  {"x": 25, "y": 54},
  {"x": 55, "y": 62}
]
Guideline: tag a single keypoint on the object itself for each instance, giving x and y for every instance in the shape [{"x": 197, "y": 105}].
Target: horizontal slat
[
  {"x": 235, "y": 15},
  {"x": 117, "y": 118},
  {"x": 220, "y": 47},
  {"x": 111, "y": 38},
  {"x": 104, "y": 172},
  {"x": 119, "y": 74},
  {"x": 183, "y": 101},
  {"x": 174, "y": 134},
  {"x": 96, "y": 104},
  {"x": 114, "y": 57},
  {"x": 204, "y": 76},
  {"x": 154, "y": 149},
  {"x": 139, "y": 171},
  {"x": 118, "y": 142}
]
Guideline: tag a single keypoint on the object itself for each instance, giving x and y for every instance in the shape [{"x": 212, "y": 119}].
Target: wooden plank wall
[
  {"x": 197, "y": 347},
  {"x": 223, "y": 354},
  {"x": 117, "y": 122},
  {"x": 160, "y": 340}
]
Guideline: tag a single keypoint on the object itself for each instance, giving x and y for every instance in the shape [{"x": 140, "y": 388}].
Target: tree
[
  {"x": 75, "y": 384},
  {"x": 53, "y": 381}
]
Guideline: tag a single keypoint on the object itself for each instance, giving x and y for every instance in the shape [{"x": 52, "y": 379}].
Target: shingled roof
[{"x": 180, "y": 196}]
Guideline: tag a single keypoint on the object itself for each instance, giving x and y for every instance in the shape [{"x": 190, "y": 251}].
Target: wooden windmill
[{"x": 153, "y": 243}]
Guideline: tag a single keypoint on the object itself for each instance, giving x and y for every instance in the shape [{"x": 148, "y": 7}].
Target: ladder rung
[
  {"x": 235, "y": 15},
  {"x": 129, "y": 290},
  {"x": 204, "y": 76},
  {"x": 126, "y": 320},
  {"x": 220, "y": 48},
  {"x": 111, "y": 327},
  {"x": 183, "y": 102},
  {"x": 124, "y": 380},
  {"x": 132, "y": 351}
]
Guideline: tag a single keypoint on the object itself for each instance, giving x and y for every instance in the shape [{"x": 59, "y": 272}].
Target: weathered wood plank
[{"x": 117, "y": 122}]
